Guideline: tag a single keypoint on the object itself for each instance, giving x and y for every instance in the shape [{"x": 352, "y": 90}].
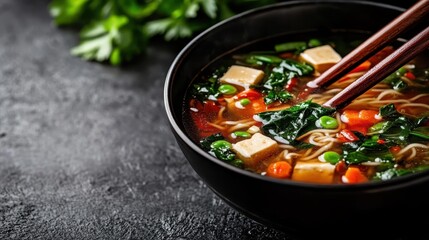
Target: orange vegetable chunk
[
  {"x": 280, "y": 169},
  {"x": 354, "y": 175}
]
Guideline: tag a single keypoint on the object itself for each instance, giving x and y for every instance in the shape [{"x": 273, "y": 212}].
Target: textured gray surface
[{"x": 85, "y": 149}]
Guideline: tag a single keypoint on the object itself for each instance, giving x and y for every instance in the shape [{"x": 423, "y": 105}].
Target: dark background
[{"x": 85, "y": 148}]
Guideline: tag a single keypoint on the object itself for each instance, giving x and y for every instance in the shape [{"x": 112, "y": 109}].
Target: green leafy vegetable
[
  {"x": 397, "y": 129},
  {"x": 366, "y": 150},
  {"x": 286, "y": 125},
  {"x": 280, "y": 75},
  {"x": 119, "y": 30},
  {"x": 207, "y": 89},
  {"x": 395, "y": 80},
  {"x": 217, "y": 146},
  {"x": 422, "y": 132},
  {"x": 393, "y": 173}
]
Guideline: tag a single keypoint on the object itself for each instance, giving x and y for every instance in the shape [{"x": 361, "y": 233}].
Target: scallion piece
[{"x": 290, "y": 46}]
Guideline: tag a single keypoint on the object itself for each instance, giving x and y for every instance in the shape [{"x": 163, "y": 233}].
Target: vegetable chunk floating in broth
[{"x": 243, "y": 109}]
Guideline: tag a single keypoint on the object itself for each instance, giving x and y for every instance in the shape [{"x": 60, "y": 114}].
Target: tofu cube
[
  {"x": 321, "y": 58},
  {"x": 254, "y": 149},
  {"x": 242, "y": 76},
  {"x": 315, "y": 172}
]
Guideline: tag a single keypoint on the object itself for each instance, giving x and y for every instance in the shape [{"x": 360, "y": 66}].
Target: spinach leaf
[
  {"x": 368, "y": 150},
  {"x": 208, "y": 89},
  {"x": 301, "y": 69},
  {"x": 277, "y": 94},
  {"x": 206, "y": 142},
  {"x": 399, "y": 129},
  {"x": 393, "y": 173},
  {"x": 274, "y": 86},
  {"x": 421, "y": 132},
  {"x": 288, "y": 124},
  {"x": 217, "y": 146}
]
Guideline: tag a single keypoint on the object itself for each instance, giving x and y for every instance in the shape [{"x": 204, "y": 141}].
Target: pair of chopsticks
[{"x": 384, "y": 68}]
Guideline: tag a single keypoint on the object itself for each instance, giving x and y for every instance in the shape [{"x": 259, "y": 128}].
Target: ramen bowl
[{"x": 291, "y": 205}]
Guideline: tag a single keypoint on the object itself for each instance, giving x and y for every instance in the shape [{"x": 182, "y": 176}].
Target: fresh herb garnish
[{"x": 119, "y": 30}]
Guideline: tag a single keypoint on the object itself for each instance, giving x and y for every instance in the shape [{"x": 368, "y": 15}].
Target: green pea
[
  {"x": 244, "y": 101},
  {"x": 242, "y": 134},
  {"x": 221, "y": 144},
  {"x": 328, "y": 122},
  {"x": 331, "y": 157},
  {"x": 227, "y": 89}
]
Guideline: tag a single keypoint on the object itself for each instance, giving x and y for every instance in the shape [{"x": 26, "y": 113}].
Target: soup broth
[{"x": 244, "y": 109}]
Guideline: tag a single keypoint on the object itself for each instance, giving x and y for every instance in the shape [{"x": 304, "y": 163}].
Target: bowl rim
[{"x": 387, "y": 185}]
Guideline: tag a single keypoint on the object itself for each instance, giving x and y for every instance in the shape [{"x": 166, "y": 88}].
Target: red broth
[{"x": 243, "y": 109}]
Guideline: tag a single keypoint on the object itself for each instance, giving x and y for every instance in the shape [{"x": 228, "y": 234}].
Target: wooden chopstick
[
  {"x": 397, "y": 59},
  {"x": 368, "y": 48}
]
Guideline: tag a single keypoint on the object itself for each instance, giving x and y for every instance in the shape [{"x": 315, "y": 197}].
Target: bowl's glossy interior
[{"x": 259, "y": 197}]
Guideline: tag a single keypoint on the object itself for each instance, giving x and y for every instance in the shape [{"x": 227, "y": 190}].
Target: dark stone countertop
[{"x": 85, "y": 149}]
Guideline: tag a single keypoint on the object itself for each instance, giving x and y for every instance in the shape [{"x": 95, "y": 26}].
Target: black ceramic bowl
[{"x": 285, "y": 204}]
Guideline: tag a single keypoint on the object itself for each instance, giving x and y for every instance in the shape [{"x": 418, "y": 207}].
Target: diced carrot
[
  {"x": 362, "y": 67},
  {"x": 362, "y": 117},
  {"x": 354, "y": 175},
  {"x": 350, "y": 117},
  {"x": 346, "y": 135},
  {"x": 250, "y": 94},
  {"x": 360, "y": 120},
  {"x": 369, "y": 116},
  {"x": 280, "y": 169}
]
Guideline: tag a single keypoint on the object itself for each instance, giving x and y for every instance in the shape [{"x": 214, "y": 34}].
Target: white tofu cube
[
  {"x": 242, "y": 76},
  {"x": 321, "y": 58},
  {"x": 254, "y": 149},
  {"x": 315, "y": 172}
]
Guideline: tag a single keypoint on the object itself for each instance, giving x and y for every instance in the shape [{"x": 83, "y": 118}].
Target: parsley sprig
[{"x": 117, "y": 31}]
